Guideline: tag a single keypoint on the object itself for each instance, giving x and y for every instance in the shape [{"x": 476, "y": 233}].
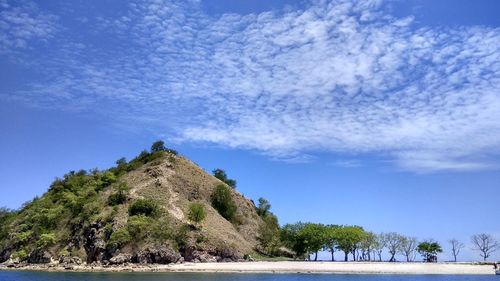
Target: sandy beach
[{"x": 284, "y": 267}]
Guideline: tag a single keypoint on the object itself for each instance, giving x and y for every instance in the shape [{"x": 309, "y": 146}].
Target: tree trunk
[
  {"x": 346, "y": 258},
  {"x": 455, "y": 258},
  {"x": 392, "y": 258},
  {"x": 316, "y": 256},
  {"x": 333, "y": 256}
]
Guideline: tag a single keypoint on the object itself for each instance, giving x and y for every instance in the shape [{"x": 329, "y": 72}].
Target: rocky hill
[{"x": 136, "y": 212}]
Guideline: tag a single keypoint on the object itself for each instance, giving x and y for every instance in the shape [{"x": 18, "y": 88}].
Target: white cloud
[
  {"x": 22, "y": 22},
  {"x": 335, "y": 76}
]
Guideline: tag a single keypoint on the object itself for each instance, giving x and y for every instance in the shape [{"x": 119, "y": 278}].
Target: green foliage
[
  {"x": 331, "y": 238},
  {"x": 348, "y": 239},
  {"x": 64, "y": 253},
  {"x": 263, "y": 207},
  {"x": 6, "y": 216},
  {"x": 144, "y": 207},
  {"x": 196, "y": 213},
  {"x": 23, "y": 237},
  {"x": 221, "y": 175},
  {"x": 117, "y": 198},
  {"x": 314, "y": 235},
  {"x": 162, "y": 231},
  {"x": 46, "y": 240},
  {"x": 293, "y": 239},
  {"x": 158, "y": 146},
  {"x": 139, "y": 227},
  {"x": 20, "y": 254},
  {"x": 429, "y": 250},
  {"x": 119, "y": 238},
  {"x": 269, "y": 235},
  {"x": 223, "y": 202}
]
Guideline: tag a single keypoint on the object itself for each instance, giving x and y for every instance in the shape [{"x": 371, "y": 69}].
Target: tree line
[{"x": 306, "y": 239}]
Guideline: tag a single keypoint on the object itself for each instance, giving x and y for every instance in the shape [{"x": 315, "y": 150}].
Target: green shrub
[
  {"x": 223, "y": 202},
  {"x": 222, "y": 176},
  {"x": 143, "y": 207},
  {"x": 162, "y": 231},
  {"x": 64, "y": 253},
  {"x": 196, "y": 213},
  {"x": 117, "y": 198},
  {"x": 106, "y": 179},
  {"x": 23, "y": 237},
  {"x": 158, "y": 146},
  {"x": 140, "y": 227},
  {"x": 46, "y": 240},
  {"x": 119, "y": 238},
  {"x": 20, "y": 254}
]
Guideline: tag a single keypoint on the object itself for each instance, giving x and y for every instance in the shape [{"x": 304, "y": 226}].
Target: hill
[{"x": 156, "y": 208}]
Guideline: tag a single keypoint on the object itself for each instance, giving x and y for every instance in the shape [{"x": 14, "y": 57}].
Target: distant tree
[
  {"x": 456, "y": 246},
  {"x": 348, "y": 240},
  {"x": 158, "y": 146},
  {"x": 263, "y": 207},
  {"x": 196, "y": 213},
  {"x": 223, "y": 202},
  {"x": 408, "y": 247},
  {"x": 331, "y": 239},
  {"x": 314, "y": 235},
  {"x": 379, "y": 245},
  {"x": 222, "y": 176},
  {"x": 429, "y": 250},
  {"x": 393, "y": 243},
  {"x": 367, "y": 244},
  {"x": 269, "y": 235},
  {"x": 485, "y": 244},
  {"x": 121, "y": 161},
  {"x": 292, "y": 238}
]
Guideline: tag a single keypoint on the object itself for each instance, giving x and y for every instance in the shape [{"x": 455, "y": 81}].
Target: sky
[{"x": 379, "y": 113}]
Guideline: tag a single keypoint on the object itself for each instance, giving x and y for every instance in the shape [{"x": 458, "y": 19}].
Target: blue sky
[{"x": 378, "y": 113}]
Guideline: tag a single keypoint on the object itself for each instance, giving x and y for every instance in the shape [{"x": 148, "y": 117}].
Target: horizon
[{"x": 382, "y": 114}]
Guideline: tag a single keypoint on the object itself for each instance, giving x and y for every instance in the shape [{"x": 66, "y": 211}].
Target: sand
[{"x": 284, "y": 267}]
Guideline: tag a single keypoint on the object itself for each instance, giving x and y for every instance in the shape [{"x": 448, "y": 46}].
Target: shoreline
[{"x": 279, "y": 267}]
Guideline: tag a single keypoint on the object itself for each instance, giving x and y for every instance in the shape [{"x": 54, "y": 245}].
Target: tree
[
  {"x": 222, "y": 176},
  {"x": 196, "y": 213},
  {"x": 331, "y": 239},
  {"x": 408, "y": 248},
  {"x": 269, "y": 234},
  {"x": 314, "y": 236},
  {"x": 393, "y": 243},
  {"x": 291, "y": 237},
  {"x": 429, "y": 250},
  {"x": 379, "y": 245},
  {"x": 263, "y": 207},
  {"x": 223, "y": 202},
  {"x": 485, "y": 244},
  {"x": 348, "y": 240},
  {"x": 367, "y": 244},
  {"x": 456, "y": 246},
  {"x": 158, "y": 146}
]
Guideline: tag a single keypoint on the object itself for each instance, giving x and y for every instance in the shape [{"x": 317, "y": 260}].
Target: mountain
[{"x": 141, "y": 211}]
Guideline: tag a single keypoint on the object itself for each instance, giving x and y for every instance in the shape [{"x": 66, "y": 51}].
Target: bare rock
[
  {"x": 120, "y": 259},
  {"x": 70, "y": 260},
  {"x": 39, "y": 256},
  {"x": 161, "y": 255}
]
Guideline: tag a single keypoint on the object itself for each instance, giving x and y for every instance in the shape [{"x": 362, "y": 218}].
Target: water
[{"x": 67, "y": 276}]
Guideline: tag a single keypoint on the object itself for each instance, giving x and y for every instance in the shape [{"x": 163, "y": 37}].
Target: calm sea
[{"x": 41, "y": 276}]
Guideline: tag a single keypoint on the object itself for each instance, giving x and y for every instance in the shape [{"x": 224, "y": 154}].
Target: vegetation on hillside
[{"x": 100, "y": 215}]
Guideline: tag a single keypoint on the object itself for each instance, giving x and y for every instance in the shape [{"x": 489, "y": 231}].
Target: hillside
[{"x": 134, "y": 212}]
